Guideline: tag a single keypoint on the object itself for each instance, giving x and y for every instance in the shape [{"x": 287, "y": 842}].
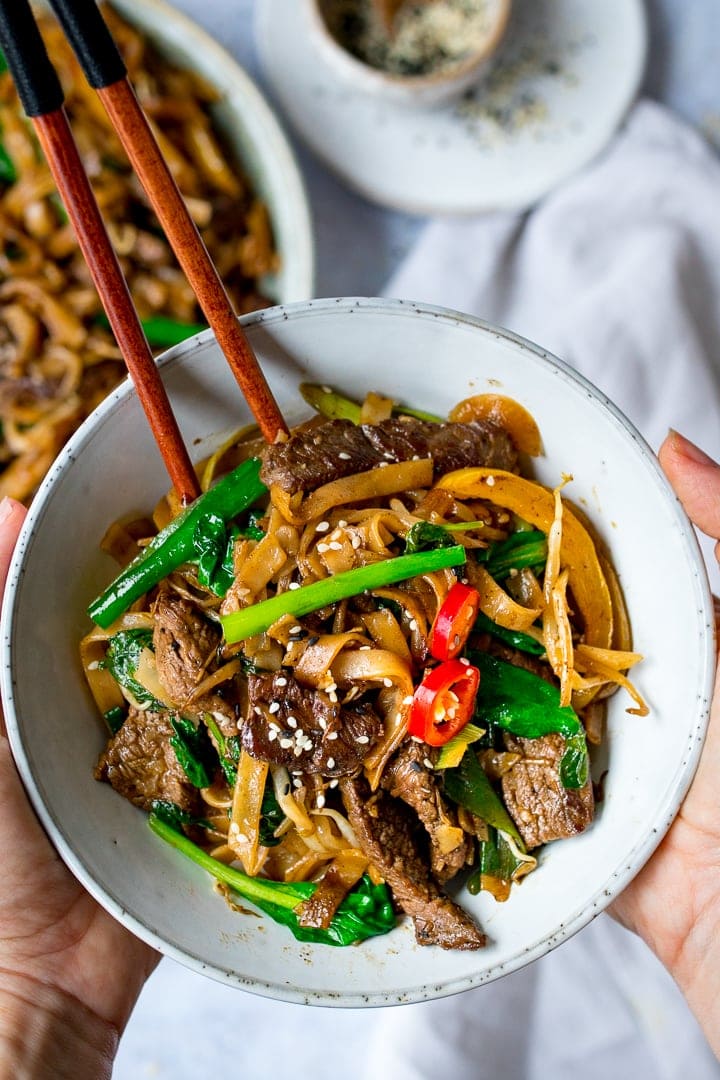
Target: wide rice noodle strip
[
  {"x": 622, "y": 632},
  {"x": 244, "y": 830},
  {"x": 536, "y": 504},
  {"x": 265, "y": 560},
  {"x": 497, "y": 604},
  {"x": 607, "y": 664},
  {"x": 386, "y": 633},
  {"x": 313, "y": 667},
  {"x": 292, "y": 808},
  {"x": 342, "y": 874},
  {"x": 374, "y": 484},
  {"x": 412, "y": 605},
  {"x": 208, "y": 684},
  {"x": 146, "y": 673}
]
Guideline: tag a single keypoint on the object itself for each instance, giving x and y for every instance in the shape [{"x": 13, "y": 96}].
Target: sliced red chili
[
  {"x": 444, "y": 702},
  {"x": 454, "y": 621}
]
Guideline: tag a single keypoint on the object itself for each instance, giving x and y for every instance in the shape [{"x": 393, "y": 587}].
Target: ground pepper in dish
[{"x": 427, "y": 37}]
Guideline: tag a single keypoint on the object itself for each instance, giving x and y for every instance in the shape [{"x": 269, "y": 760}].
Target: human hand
[
  {"x": 674, "y": 902},
  {"x": 69, "y": 974}
]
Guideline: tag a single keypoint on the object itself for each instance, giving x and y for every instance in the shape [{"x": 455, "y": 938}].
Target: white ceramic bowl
[
  {"x": 432, "y": 358},
  {"x": 252, "y": 131},
  {"x": 415, "y": 91}
]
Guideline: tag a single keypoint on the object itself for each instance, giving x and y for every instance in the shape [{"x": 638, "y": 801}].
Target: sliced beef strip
[
  {"x": 339, "y": 448},
  {"x": 390, "y": 835},
  {"x": 293, "y": 725},
  {"x": 541, "y": 807},
  {"x": 141, "y": 765},
  {"x": 183, "y": 641},
  {"x": 407, "y": 777}
]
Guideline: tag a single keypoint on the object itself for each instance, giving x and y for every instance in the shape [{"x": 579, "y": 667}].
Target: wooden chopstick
[
  {"x": 42, "y": 99},
  {"x": 105, "y": 70}
]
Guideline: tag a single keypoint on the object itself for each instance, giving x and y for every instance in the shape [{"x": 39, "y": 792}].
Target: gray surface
[{"x": 359, "y": 244}]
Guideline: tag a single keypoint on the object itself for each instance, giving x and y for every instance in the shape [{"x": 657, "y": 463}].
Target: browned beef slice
[
  {"x": 140, "y": 763},
  {"x": 407, "y": 777},
  {"x": 541, "y": 807},
  {"x": 305, "y": 729},
  {"x": 339, "y": 448},
  {"x": 390, "y": 835},
  {"x": 184, "y": 641},
  {"x": 316, "y": 456},
  {"x": 451, "y": 446}
]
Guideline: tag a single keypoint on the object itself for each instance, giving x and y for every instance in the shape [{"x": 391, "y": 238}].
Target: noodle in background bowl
[{"x": 430, "y": 358}]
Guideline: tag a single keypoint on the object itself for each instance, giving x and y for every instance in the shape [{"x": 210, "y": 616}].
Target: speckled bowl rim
[{"x": 632, "y": 861}]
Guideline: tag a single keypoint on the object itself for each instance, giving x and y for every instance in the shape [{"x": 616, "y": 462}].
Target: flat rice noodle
[
  {"x": 536, "y": 504},
  {"x": 497, "y": 604},
  {"x": 342, "y": 874},
  {"x": 386, "y": 632},
  {"x": 208, "y": 684},
  {"x": 264, "y": 561},
  {"x": 360, "y": 487},
  {"x": 374, "y": 666},
  {"x": 375, "y": 408},
  {"x": 103, "y": 687},
  {"x": 313, "y": 668},
  {"x": 244, "y": 830}
]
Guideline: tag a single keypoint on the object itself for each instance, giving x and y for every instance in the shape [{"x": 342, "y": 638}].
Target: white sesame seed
[
  {"x": 333, "y": 735},
  {"x": 334, "y": 545},
  {"x": 274, "y": 707},
  {"x": 299, "y": 733},
  {"x": 281, "y": 681},
  {"x": 490, "y": 481},
  {"x": 93, "y": 665},
  {"x": 363, "y": 739},
  {"x": 294, "y": 585},
  {"x": 286, "y": 743},
  {"x": 333, "y": 697},
  {"x": 322, "y": 526},
  {"x": 464, "y": 660},
  {"x": 292, "y": 721},
  {"x": 408, "y": 700},
  {"x": 326, "y": 389},
  {"x": 413, "y": 624},
  {"x": 365, "y": 648},
  {"x": 387, "y": 682},
  {"x": 342, "y": 524},
  {"x": 320, "y": 802},
  {"x": 330, "y": 687},
  {"x": 343, "y": 456},
  {"x": 383, "y": 464},
  {"x": 298, "y": 750},
  {"x": 331, "y": 763},
  {"x": 234, "y": 828},
  {"x": 322, "y": 548},
  {"x": 257, "y": 710},
  {"x": 415, "y": 457},
  {"x": 428, "y": 763},
  {"x": 297, "y": 783},
  {"x": 296, "y": 629},
  {"x": 323, "y": 723},
  {"x": 356, "y": 542},
  {"x": 333, "y": 784},
  {"x": 272, "y": 735}
]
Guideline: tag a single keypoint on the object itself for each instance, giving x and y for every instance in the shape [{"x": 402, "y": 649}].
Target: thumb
[
  {"x": 696, "y": 480},
  {"x": 12, "y": 515}
]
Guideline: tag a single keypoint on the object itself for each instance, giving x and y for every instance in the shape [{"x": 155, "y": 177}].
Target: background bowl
[
  {"x": 251, "y": 130},
  {"x": 431, "y": 358}
]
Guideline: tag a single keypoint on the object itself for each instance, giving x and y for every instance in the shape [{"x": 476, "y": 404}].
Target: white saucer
[{"x": 560, "y": 86}]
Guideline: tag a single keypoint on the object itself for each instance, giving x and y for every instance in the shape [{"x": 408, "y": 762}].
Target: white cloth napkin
[{"x": 618, "y": 272}]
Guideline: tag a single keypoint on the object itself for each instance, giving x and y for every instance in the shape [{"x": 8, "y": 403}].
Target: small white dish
[
  {"x": 246, "y": 119},
  {"x": 432, "y": 358},
  {"x": 414, "y": 91},
  {"x": 557, "y": 89}
]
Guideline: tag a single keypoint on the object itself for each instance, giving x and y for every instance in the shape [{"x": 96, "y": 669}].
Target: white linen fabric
[{"x": 618, "y": 273}]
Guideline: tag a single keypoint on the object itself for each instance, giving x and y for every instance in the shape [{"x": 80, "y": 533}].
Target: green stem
[{"x": 254, "y": 620}]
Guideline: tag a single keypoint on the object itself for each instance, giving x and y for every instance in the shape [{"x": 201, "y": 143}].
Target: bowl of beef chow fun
[
  {"x": 242, "y": 187},
  {"x": 398, "y": 704}
]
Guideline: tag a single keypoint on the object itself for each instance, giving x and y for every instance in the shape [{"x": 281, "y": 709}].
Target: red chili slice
[
  {"x": 444, "y": 702},
  {"x": 454, "y": 621}
]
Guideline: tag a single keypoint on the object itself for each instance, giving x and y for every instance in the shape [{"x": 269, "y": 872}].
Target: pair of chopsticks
[{"x": 42, "y": 98}]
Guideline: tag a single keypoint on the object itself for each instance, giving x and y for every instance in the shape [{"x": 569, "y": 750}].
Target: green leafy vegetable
[
  {"x": 527, "y": 706},
  {"x": 195, "y": 753},
  {"x": 271, "y": 817},
  {"x": 213, "y": 543},
  {"x": 174, "y": 815},
  {"x": 498, "y": 863},
  {"x": 365, "y": 912},
  {"x": 424, "y": 536},
  {"x": 520, "y": 549},
  {"x": 122, "y": 659},
  {"x": 174, "y": 545},
  {"x": 115, "y": 718},
  {"x": 258, "y": 617},
  {"x": 8, "y": 172},
  {"x": 515, "y": 638},
  {"x": 468, "y": 786}
]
